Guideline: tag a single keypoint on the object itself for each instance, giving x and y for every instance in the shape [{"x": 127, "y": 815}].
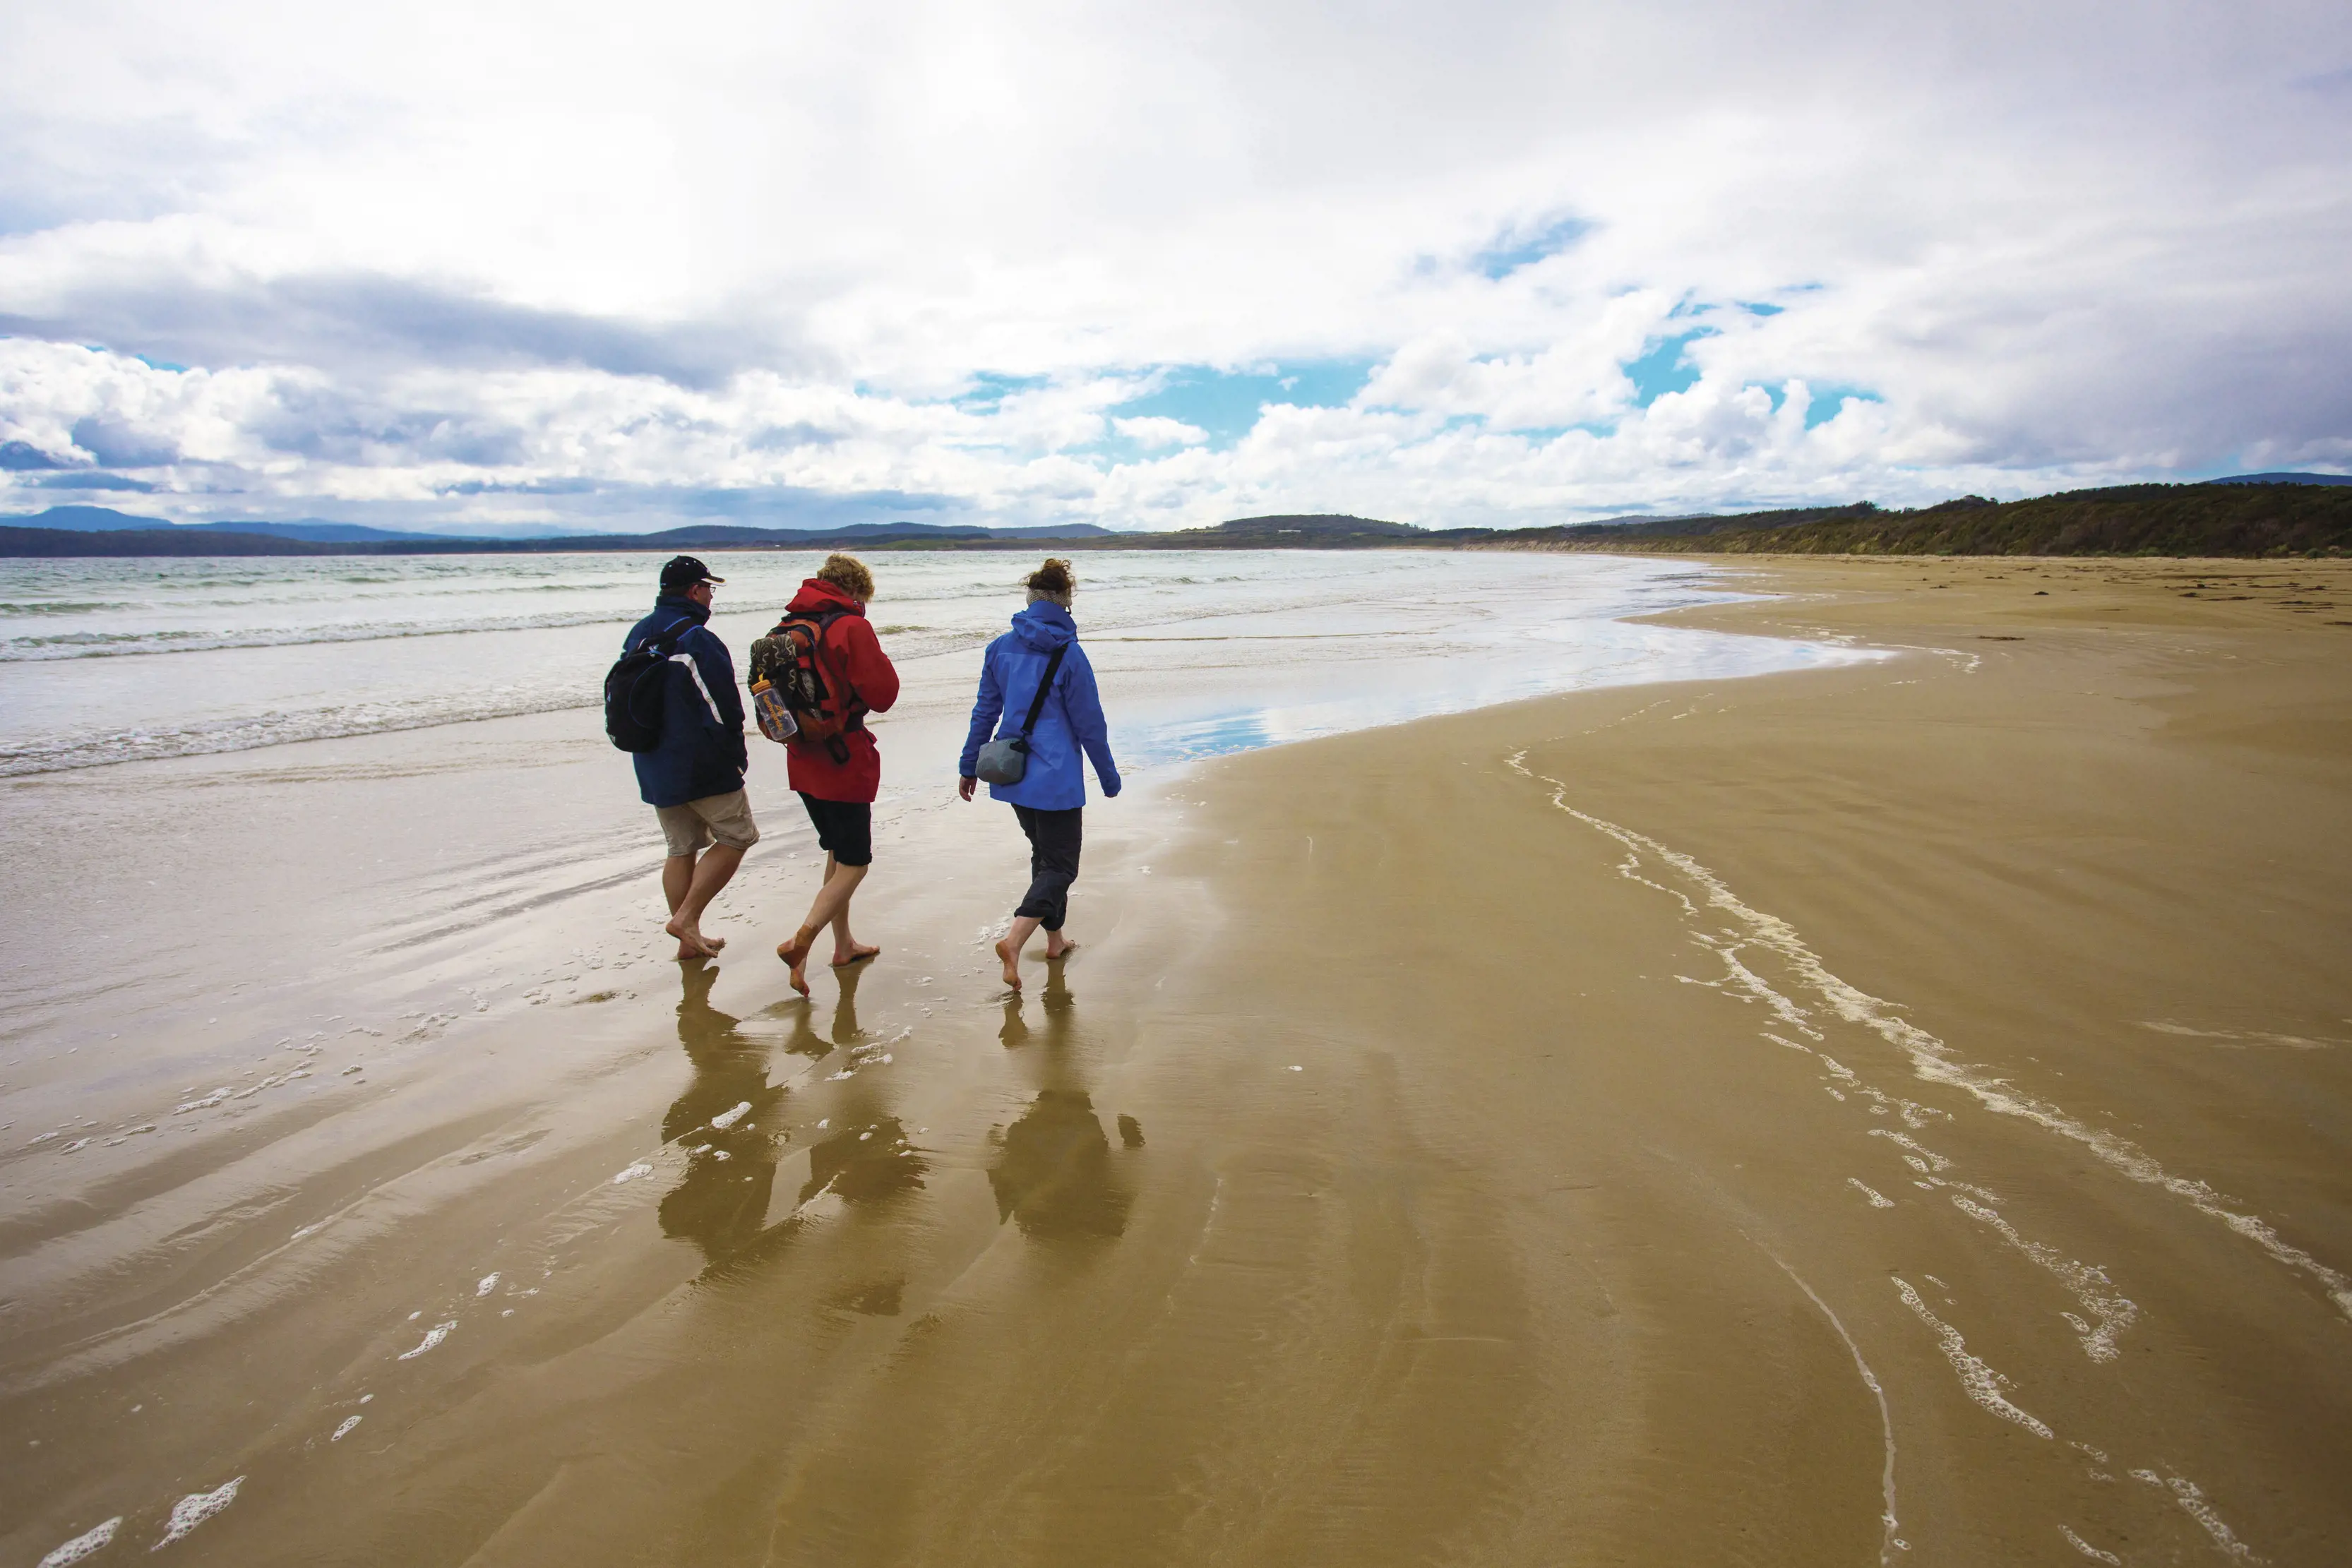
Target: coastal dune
[{"x": 1889, "y": 1112}]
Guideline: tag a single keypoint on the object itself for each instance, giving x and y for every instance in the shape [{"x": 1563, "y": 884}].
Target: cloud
[
  {"x": 1507, "y": 263},
  {"x": 1154, "y": 430}
]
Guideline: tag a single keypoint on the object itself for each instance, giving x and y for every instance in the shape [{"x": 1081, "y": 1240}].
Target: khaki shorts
[{"x": 726, "y": 817}]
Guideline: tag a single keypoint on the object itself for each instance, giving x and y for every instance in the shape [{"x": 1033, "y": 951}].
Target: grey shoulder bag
[{"x": 1006, "y": 758}]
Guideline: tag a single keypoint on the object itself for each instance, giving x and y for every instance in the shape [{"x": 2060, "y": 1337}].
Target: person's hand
[
  {"x": 1111, "y": 790},
  {"x": 965, "y": 788}
]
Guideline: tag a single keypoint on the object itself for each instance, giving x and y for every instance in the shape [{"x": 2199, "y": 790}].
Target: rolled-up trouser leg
[{"x": 1054, "y": 841}]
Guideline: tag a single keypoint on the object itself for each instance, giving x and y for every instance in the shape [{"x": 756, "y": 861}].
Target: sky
[{"x": 618, "y": 266}]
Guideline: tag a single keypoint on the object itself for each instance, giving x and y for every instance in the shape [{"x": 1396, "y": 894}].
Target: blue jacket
[
  {"x": 701, "y": 750},
  {"x": 1071, "y": 718}
]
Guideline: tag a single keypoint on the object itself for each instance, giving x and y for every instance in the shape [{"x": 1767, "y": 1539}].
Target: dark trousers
[{"x": 1054, "y": 838}]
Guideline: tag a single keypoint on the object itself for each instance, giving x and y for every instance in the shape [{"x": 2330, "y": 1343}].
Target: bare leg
[
  {"x": 1008, "y": 951},
  {"x": 848, "y": 949},
  {"x": 713, "y": 872},
  {"x": 677, "y": 879},
  {"x": 832, "y": 903},
  {"x": 1056, "y": 945}
]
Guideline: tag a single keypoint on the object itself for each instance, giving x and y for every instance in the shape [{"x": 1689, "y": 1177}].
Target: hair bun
[{"x": 1053, "y": 577}]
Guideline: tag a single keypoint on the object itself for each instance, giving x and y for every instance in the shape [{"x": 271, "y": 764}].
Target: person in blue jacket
[
  {"x": 1050, "y": 800},
  {"x": 694, "y": 778}
]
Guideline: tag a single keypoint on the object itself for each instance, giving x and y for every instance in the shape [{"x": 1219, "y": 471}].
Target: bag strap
[
  {"x": 1037, "y": 702},
  {"x": 678, "y": 629}
]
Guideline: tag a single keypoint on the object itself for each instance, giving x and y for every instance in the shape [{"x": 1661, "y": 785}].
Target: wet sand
[{"x": 1891, "y": 1114}]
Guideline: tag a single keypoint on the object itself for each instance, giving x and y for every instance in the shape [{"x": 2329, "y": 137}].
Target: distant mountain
[
  {"x": 152, "y": 541},
  {"x": 1309, "y": 530},
  {"x": 2285, "y": 479},
  {"x": 704, "y": 535},
  {"x": 2208, "y": 520},
  {"x": 86, "y": 519},
  {"x": 316, "y": 529}
]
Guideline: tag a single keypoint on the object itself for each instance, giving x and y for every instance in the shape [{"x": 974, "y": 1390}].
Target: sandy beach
[{"x": 1892, "y": 1112}]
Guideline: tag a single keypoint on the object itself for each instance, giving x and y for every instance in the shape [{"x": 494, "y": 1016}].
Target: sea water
[{"x": 1199, "y": 652}]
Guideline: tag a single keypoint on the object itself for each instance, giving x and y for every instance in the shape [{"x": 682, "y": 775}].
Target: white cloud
[
  {"x": 506, "y": 261},
  {"x": 1157, "y": 430}
]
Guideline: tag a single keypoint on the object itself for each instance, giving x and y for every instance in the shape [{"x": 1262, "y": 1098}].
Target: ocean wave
[
  {"x": 252, "y": 732},
  {"x": 122, "y": 645}
]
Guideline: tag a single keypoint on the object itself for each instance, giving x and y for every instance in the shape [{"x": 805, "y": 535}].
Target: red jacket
[{"x": 852, "y": 649}]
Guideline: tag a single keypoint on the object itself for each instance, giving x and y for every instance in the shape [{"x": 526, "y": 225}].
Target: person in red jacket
[{"x": 839, "y": 789}]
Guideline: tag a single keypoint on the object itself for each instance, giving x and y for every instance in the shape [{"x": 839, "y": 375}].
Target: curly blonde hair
[
  {"x": 1053, "y": 580},
  {"x": 847, "y": 573}
]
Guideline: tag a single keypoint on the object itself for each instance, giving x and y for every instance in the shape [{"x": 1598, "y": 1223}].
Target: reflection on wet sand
[
  {"x": 725, "y": 1122},
  {"x": 729, "y": 1123},
  {"x": 1053, "y": 1171}
]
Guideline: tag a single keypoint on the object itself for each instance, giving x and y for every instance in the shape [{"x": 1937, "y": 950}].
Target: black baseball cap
[{"x": 682, "y": 573}]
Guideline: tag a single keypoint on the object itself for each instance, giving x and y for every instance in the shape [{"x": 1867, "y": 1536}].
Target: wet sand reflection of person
[
  {"x": 1054, "y": 1172},
  {"x": 730, "y": 1171}
]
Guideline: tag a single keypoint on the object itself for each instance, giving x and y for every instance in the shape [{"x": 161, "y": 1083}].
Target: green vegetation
[
  {"x": 2225, "y": 519},
  {"x": 2131, "y": 520}
]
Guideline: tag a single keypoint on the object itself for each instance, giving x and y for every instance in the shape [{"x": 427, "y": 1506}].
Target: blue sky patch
[
  {"x": 1664, "y": 368},
  {"x": 988, "y": 391},
  {"x": 1758, "y": 307},
  {"x": 1829, "y": 400},
  {"x": 1517, "y": 247},
  {"x": 1226, "y": 403}
]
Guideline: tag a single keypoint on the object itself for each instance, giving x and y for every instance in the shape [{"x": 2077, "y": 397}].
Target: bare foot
[
  {"x": 1010, "y": 957},
  {"x": 1057, "y": 945},
  {"x": 691, "y": 942},
  {"x": 795, "y": 955},
  {"x": 856, "y": 953}
]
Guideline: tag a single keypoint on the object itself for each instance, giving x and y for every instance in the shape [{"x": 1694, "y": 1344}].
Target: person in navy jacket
[
  {"x": 694, "y": 778},
  {"x": 1051, "y": 797}
]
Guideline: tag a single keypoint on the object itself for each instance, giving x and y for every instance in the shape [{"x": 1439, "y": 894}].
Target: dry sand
[{"x": 1896, "y": 1114}]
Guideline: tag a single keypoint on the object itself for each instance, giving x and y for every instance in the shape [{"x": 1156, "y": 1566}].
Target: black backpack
[{"x": 632, "y": 690}]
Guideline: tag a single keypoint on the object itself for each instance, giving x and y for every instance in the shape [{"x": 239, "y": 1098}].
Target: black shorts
[{"x": 844, "y": 829}]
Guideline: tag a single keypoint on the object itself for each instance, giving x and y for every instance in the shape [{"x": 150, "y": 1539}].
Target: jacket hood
[
  {"x": 680, "y": 605},
  {"x": 1044, "y": 626},
  {"x": 818, "y": 597}
]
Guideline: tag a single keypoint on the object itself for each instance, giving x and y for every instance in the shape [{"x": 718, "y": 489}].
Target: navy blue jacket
[
  {"x": 1072, "y": 717},
  {"x": 701, "y": 750}
]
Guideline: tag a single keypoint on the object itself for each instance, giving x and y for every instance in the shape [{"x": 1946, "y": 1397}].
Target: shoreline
[{"x": 1469, "y": 1205}]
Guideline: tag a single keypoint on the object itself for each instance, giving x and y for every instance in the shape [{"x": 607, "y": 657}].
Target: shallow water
[{"x": 113, "y": 660}]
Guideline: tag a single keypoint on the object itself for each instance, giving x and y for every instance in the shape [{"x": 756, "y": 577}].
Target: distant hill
[
  {"x": 104, "y": 519},
  {"x": 2253, "y": 516},
  {"x": 2285, "y": 479},
  {"x": 87, "y": 520},
  {"x": 2213, "y": 519},
  {"x": 316, "y": 529},
  {"x": 1317, "y": 530},
  {"x": 97, "y": 531},
  {"x": 165, "y": 541}
]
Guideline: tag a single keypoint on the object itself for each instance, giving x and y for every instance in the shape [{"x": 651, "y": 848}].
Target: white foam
[
  {"x": 2090, "y": 1285},
  {"x": 345, "y": 1429},
  {"x": 433, "y": 1336},
  {"x": 2192, "y": 1501},
  {"x": 1875, "y": 1200},
  {"x": 640, "y": 1169},
  {"x": 727, "y": 1119},
  {"x": 1889, "y": 1543},
  {"x": 194, "y": 1508},
  {"x": 1980, "y": 1381},
  {"x": 82, "y": 1546},
  {"x": 1930, "y": 1058},
  {"x": 2087, "y": 1549},
  {"x": 488, "y": 1282}
]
